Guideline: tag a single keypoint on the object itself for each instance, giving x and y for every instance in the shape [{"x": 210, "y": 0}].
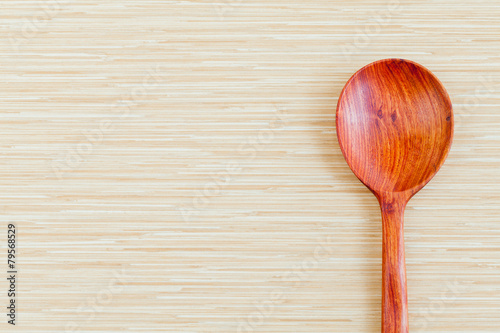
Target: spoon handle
[{"x": 394, "y": 296}]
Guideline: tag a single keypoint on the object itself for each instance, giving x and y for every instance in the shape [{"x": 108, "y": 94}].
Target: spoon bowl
[{"x": 395, "y": 128}]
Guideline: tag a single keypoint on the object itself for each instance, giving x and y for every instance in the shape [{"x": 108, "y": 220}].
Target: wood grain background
[{"x": 172, "y": 166}]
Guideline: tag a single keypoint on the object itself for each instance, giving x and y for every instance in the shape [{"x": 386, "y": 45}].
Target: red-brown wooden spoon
[{"x": 395, "y": 127}]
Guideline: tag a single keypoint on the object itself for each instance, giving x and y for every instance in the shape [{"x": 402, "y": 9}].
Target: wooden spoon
[{"x": 395, "y": 128}]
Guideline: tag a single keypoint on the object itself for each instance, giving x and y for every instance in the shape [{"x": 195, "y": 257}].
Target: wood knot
[
  {"x": 448, "y": 118},
  {"x": 394, "y": 116},
  {"x": 389, "y": 207},
  {"x": 380, "y": 114}
]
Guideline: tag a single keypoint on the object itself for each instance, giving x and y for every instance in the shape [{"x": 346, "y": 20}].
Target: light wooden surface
[{"x": 172, "y": 166}]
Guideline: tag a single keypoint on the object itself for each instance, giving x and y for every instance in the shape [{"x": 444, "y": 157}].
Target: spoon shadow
[
  {"x": 367, "y": 214},
  {"x": 368, "y": 210}
]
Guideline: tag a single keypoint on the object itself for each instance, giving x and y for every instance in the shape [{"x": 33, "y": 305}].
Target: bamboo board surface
[{"x": 172, "y": 166}]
